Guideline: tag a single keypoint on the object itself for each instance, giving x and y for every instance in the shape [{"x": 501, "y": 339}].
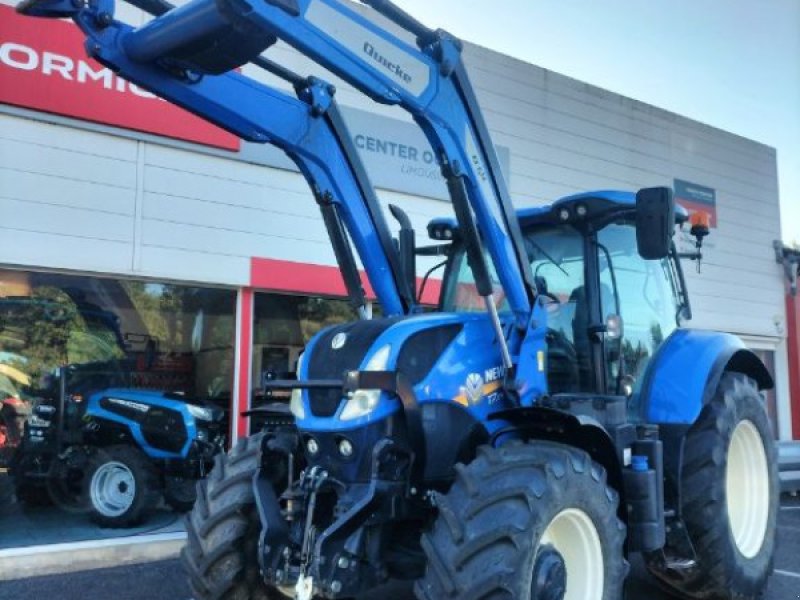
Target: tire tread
[{"x": 472, "y": 556}]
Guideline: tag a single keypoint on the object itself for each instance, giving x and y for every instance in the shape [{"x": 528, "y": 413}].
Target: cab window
[{"x": 647, "y": 304}]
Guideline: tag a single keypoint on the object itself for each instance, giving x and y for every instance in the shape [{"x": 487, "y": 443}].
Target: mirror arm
[
  {"x": 435, "y": 250},
  {"x": 686, "y": 307}
]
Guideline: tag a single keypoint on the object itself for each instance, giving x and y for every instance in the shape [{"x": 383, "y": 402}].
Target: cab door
[{"x": 642, "y": 293}]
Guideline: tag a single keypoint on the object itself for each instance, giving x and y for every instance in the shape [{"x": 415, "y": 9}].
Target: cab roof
[{"x": 596, "y": 203}]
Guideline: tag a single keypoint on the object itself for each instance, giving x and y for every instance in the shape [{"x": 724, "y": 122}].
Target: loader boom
[
  {"x": 308, "y": 128},
  {"x": 429, "y": 81}
]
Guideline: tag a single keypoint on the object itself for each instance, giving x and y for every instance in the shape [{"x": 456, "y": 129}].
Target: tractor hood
[{"x": 410, "y": 345}]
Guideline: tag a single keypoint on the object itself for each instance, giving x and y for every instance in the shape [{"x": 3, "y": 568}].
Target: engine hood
[{"x": 416, "y": 342}]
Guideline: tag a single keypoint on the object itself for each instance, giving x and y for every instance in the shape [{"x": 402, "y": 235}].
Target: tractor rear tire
[
  {"x": 121, "y": 486},
  {"x": 221, "y": 553},
  {"x": 526, "y": 521},
  {"x": 730, "y": 495}
]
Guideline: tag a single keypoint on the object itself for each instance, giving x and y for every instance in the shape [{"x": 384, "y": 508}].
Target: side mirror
[
  {"x": 655, "y": 222},
  {"x": 407, "y": 247}
]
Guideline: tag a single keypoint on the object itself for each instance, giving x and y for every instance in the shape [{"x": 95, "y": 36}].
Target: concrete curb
[{"x": 52, "y": 559}]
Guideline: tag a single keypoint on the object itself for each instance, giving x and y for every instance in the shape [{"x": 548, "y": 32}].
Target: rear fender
[{"x": 685, "y": 373}]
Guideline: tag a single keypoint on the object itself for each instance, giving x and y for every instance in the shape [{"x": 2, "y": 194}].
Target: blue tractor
[
  {"x": 548, "y": 420},
  {"x": 89, "y": 442}
]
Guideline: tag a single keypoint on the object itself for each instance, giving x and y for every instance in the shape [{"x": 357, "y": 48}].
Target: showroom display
[
  {"x": 521, "y": 440},
  {"x": 104, "y": 421},
  {"x": 116, "y": 451}
]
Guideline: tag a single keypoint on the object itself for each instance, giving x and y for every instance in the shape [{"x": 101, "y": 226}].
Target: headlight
[
  {"x": 363, "y": 402},
  {"x": 296, "y": 401},
  {"x": 200, "y": 412}
]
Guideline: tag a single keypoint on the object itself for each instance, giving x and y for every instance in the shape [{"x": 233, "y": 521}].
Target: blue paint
[
  {"x": 440, "y": 110},
  {"x": 678, "y": 377},
  {"x": 473, "y": 351},
  {"x": 533, "y": 357},
  {"x": 150, "y": 398},
  {"x": 617, "y": 199}
]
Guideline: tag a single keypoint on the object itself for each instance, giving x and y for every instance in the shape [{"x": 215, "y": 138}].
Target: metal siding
[
  {"x": 66, "y": 197},
  {"x": 225, "y": 211}
]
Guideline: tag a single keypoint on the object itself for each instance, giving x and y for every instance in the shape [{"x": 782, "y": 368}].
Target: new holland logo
[
  {"x": 477, "y": 387},
  {"x": 394, "y": 68},
  {"x": 338, "y": 340},
  {"x": 474, "y": 387}
]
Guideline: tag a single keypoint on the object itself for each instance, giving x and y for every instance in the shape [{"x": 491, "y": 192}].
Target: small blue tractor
[
  {"x": 548, "y": 420},
  {"x": 88, "y": 442}
]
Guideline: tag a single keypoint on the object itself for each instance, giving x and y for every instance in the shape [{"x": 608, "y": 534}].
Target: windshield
[
  {"x": 556, "y": 255},
  {"x": 460, "y": 293}
]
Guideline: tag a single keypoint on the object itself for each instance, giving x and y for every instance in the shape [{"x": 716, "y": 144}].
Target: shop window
[
  {"x": 282, "y": 326},
  {"x": 94, "y": 367}
]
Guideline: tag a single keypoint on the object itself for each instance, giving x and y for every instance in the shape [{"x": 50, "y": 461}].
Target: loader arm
[
  {"x": 429, "y": 81},
  {"x": 308, "y": 128}
]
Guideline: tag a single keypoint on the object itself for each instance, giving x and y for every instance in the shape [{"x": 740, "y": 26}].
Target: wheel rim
[
  {"x": 747, "y": 489},
  {"x": 113, "y": 489},
  {"x": 573, "y": 535}
]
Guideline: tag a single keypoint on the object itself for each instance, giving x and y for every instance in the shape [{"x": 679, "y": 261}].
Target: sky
[{"x": 733, "y": 64}]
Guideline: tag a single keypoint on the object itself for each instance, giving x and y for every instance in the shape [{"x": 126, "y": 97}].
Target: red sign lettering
[{"x": 43, "y": 66}]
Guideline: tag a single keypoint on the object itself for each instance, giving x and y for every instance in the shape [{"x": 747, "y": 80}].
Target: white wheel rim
[
  {"x": 574, "y": 536},
  {"x": 113, "y": 489},
  {"x": 747, "y": 489}
]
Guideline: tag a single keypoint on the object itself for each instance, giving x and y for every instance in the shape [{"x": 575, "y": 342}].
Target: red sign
[
  {"x": 306, "y": 278},
  {"x": 43, "y": 66}
]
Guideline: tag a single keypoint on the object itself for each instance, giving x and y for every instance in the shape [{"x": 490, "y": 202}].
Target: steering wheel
[
  {"x": 550, "y": 296},
  {"x": 541, "y": 288}
]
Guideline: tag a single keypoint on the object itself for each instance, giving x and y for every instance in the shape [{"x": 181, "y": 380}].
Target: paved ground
[
  {"x": 165, "y": 581},
  {"x": 32, "y": 526}
]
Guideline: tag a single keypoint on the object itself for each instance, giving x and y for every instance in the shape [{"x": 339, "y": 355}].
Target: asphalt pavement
[{"x": 165, "y": 580}]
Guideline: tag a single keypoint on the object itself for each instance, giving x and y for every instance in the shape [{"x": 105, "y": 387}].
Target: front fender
[{"x": 685, "y": 372}]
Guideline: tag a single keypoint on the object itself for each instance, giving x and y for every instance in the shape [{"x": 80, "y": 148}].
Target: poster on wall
[
  {"x": 697, "y": 198},
  {"x": 44, "y": 66}
]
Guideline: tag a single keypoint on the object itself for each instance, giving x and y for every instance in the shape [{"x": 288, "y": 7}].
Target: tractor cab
[{"x": 607, "y": 274}]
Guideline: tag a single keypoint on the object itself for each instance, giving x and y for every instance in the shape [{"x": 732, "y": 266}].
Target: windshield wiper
[{"x": 547, "y": 256}]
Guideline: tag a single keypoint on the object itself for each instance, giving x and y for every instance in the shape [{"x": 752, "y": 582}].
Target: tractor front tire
[
  {"x": 526, "y": 521},
  {"x": 221, "y": 553},
  {"x": 730, "y": 496},
  {"x": 121, "y": 486}
]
